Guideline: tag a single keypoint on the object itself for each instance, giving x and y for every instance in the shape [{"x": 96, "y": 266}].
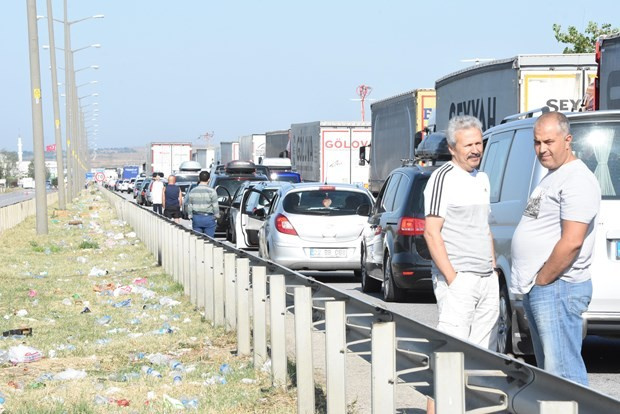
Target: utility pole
[{"x": 37, "y": 119}]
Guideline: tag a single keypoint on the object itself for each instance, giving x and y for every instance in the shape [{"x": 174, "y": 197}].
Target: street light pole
[
  {"x": 37, "y": 119},
  {"x": 57, "y": 131},
  {"x": 68, "y": 94}
]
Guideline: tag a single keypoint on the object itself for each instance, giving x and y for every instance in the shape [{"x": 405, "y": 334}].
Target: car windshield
[
  {"x": 227, "y": 186},
  {"x": 325, "y": 202},
  {"x": 598, "y": 146}
]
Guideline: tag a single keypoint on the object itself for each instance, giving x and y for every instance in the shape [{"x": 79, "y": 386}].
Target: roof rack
[{"x": 524, "y": 115}]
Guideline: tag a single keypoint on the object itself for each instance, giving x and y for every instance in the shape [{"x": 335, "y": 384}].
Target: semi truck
[
  {"x": 166, "y": 157},
  {"x": 607, "y": 94},
  {"x": 205, "y": 156},
  {"x": 398, "y": 125},
  {"x": 494, "y": 90},
  {"x": 328, "y": 151},
  {"x": 229, "y": 151},
  {"x": 252, "y": 148},
  {"x": 277, "y": 144},
  {"x": 130, "y": 171}
]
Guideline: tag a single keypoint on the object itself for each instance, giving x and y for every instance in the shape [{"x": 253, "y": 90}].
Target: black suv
[{"x": 226, "y": 182}]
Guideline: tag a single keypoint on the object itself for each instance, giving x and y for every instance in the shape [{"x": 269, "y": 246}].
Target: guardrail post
[
  {"x": 230, "y": 305},
  {"x": 383, "y": 367},
  {"x": 218, "y": 286},
  {"x": 209, "y": 305},
  {"x": 200, "y": 273},
  {"x": 259, "y": 303},
  {"x": 243, "y": 307},
  {"x": 192, "y": 268},
  {"x": 277, "y": 309},
  {"x": 186, "y": 262},
  {"x": 336, "y": 356},
  {"x": 303, "y": 350},
  {"x": 178, "y": 254},
  {"x": 558, "y": 407},
  {"x": 449, "y": 382}
]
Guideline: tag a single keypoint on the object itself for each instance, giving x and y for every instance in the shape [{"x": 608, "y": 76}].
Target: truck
[
  {"x": 327, "y": 151},
  {"x": 205, "y": 156},
  {"x": 252, "y": 148},
  {"x": 166, "y": 157},
  {"x": 277, "y": 144},
  {"x": 130, "y": 171},
  {"x": 494, "y": 90},
  {"x": 398, "y": 125},
  {"x": 229, "y": 151},
  {"x": 607, "y": 95}
]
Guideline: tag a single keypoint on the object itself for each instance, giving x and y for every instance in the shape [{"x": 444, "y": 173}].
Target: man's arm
[
  {"x": 180, "y": 198},
  {"x": 492, "y": 250},
  {"x": 215, "y": 204},
  {"x": 432, "y": 235},
  {"x": 564, "y": 252},
  {"x": 163, "y": 197}
]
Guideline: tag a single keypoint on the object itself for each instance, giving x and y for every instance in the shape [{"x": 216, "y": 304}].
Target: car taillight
[
  {"x": 285, "y": 226},
  {"x": 411, "y": 226}
]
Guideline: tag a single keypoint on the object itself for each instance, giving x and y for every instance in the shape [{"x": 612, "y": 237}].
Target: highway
[{"x": 15, "y": 196}]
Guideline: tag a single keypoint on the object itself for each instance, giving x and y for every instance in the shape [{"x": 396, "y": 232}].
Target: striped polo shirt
[{"x": 462, "y": 199}]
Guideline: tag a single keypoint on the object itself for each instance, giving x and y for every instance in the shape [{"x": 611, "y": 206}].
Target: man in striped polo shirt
[
  {"x": 202, "y": 206},
  {"x": 457, "y": 206}
]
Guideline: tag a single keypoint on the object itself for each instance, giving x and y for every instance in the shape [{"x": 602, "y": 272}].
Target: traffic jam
[{"x": 349, "y": 196}]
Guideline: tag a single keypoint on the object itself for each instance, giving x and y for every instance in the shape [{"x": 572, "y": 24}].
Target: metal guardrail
[
  {"x": 13, "y": 214},
  {"x": 234, "y": 288}
]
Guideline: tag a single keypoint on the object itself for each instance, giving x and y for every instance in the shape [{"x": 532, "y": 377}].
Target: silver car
[{"x": 314, "y": 226}]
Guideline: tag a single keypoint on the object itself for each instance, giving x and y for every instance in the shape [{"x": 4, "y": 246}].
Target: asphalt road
[
  {"x": 600, "y": 354},
  {"x": 15, "y": 196}
]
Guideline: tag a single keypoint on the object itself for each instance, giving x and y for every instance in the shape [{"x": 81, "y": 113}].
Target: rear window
[
  {"x": 232, "y": 184},
  {"x": 416, "y": 196},
  {"x": 186, "y": 178},
  {"x": 598, "y": 146},
  {"x": 325, "y": 202}
]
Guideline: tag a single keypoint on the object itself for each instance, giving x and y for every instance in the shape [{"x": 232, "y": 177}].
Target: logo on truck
[
  {"x": 303, "y": 149},
  {"x": 330, "y": 143},
  {"x": 484, "y": 110}
]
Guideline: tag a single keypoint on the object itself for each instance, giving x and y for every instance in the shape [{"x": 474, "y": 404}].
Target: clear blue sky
[{"x": 173, "y": 70}]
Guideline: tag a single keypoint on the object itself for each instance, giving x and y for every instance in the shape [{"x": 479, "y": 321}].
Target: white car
[{"x": 314, "y": 226}]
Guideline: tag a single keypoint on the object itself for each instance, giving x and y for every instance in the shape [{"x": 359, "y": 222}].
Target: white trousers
[{"x": 469, "y": 307}]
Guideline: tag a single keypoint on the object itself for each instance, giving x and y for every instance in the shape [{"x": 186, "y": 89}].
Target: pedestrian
[
  {"x": 173, "y": 200},
  {"x": 552, "y": 250},
  {"x": 457, "y": 206},
  {"x": 202, "y": 206},
  {"x": 157, "y": 188}
]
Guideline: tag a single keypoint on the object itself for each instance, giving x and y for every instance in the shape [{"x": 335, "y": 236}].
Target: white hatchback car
[{"x": 314, "y": 226}]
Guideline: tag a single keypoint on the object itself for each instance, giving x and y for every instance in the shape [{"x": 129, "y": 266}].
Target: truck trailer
[
  {"x": 327, "y": 151},
  {"x": 608, "y": 80},
  {"x": 205, "y": 156},
  {"x": 130, "y": 171},
  {"x": 166, "y": 157},
  {"x": 494, "y": 90},
  {"x": 398, "y": 125},
  {"x": 277, "y": 144},
  {"x": 229, "y": 151},
  {"x": 252, "y": 148}
]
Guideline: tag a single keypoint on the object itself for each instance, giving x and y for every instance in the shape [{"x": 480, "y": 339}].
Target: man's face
[
  {"x": 467, "y": 151},
  {"x": 551, "y": 145}
]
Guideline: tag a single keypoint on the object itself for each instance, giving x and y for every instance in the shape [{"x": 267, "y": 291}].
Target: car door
[{"x": 254, "y": 207}]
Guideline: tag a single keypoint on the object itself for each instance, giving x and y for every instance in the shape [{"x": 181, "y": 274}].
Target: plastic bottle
[
  {"x": 104, "y": 320},
  {"x": 178, "y": 379},
  {"x": 150, "y": 371},
  {"x": 176, "y": 365},
  {"x": 101, "y": 400},
  {"x": 4, "y": 356},
  {"x": 2, "y": 399}
]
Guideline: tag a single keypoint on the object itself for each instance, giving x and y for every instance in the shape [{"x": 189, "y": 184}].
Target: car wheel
[
  {"x": 390, "y": 292},
  {"x": 369, "y": 285},
  {"x": 504, "y": 323}
]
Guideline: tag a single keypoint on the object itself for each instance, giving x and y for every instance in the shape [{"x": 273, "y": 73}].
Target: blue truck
[{"x": 130, "y": 171}]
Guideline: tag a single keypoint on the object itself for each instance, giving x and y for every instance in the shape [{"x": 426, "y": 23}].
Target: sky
[{"x": 176, "y": 70}]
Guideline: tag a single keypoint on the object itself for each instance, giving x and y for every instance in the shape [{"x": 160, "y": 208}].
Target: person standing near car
[
  {"x": 202, "y": 206},
  {"x": 173, "y": 200},
  {"x": 157, "y": 188},
  {"x": 552, "y": 250},
  {"x": 457, "y": 207}
]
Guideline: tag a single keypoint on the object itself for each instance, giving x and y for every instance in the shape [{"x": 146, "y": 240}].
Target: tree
[
  {"x": 582, "y": 42},
  {"x": 31, "y": 169}
]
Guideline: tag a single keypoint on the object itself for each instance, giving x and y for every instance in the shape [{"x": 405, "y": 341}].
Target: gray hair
[
  {"x": 560, "y": 119},
  {"x": 459, "y": 123}
]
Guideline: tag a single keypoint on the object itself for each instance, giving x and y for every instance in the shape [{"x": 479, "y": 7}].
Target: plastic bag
[{"x": 24, "y": 353}]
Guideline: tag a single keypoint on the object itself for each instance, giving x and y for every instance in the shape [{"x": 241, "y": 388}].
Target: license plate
[{"x": 328, "y": 253}]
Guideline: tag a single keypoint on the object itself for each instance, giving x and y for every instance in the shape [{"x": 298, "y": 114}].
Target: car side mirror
[
  {"x": 236, "y": 204},
  {"x": 363, "y": 210}
]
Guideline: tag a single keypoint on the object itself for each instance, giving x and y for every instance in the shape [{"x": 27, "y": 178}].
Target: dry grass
[{"x": 48, "y": 277}]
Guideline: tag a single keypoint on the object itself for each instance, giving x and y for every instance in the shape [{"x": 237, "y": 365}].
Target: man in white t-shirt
[
  {"x": 552, "y": 250},
  {"x": 457, "y": 207},
  {"x": 157, "y": 190}
]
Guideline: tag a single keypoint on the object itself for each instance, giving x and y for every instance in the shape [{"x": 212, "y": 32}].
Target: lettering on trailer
[
  {"x": 427, "y": 113},
  {"x": 476, "y": 107},
  {"x": 303, "y": 149},
  {"x": 337, "y": 143},
  {"x": 572, "y": 105}
]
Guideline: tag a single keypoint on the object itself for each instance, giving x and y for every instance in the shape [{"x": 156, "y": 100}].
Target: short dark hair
[
  {"x": 204, "y": 176},
  {"x": 155, "y": 174}
]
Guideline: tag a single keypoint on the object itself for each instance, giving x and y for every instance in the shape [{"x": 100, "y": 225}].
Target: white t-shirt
[
  {"x": 569, "y": 193},
  {"x": 462, "y": 199},
  {"x": 157, "y": 191}
]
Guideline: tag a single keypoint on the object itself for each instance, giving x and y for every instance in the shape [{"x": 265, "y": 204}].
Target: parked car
[
  {"x": 247, "y": 211},
  {"x": 137, "y": 187},
  {"x": 510, "y": 162},
  {"x": 132, "y": 184},
  {"x": 123, "y": 186},
  {"x": 314, "y": 226},
  {"x": 141, "y": 196}
]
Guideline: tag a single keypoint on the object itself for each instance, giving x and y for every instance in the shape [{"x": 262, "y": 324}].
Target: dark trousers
[
  {"x": 157, "y": 208},
  {"x": 204, "y": 223}
]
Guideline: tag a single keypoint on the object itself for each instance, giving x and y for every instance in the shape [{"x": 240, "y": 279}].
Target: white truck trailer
[
  {"x": 252, "y": 148},
  {"x": 494, "y": 90},
  {"x": 328, "y": 151},
  {"x": 166, "y": 157},
  {"x": 608, "y": 81},
  {"x": 229, "y": 151}
]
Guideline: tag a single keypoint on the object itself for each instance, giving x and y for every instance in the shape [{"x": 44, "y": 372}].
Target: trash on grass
[
  {"x": 70, "y": 374},
  {"x": 24, "y": 353}
]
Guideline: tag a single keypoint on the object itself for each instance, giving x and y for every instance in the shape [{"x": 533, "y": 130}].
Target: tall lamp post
[{"x": 37, "y": 119}]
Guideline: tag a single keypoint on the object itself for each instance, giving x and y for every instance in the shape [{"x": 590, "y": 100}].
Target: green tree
[
  {"x": 582, "y": 42},
  {"x": 31, "y": 169},
  {"x": 8, "y": 162}
]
